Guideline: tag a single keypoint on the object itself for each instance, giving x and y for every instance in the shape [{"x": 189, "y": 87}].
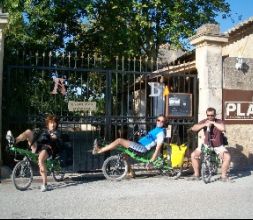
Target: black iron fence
[{"x": 91, "y": 99}]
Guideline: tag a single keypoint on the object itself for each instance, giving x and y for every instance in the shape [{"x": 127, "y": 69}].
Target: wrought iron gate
[{"x": 121, "y": 97}]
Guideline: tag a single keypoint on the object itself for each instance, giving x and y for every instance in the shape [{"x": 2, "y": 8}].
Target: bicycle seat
[{"x": 136, "y": 152}]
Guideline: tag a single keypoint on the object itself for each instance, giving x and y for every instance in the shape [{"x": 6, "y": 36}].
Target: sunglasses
[
  {"x": 158, "y": 120},
  {"x": 210, "y": 115}
]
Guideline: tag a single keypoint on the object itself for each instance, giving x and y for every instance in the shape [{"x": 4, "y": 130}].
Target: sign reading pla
[{"x": 239, "y": 110}]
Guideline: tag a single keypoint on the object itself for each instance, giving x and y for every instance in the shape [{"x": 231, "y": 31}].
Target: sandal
[
  {"x": 224, "y": 179},
  {"x": 194, "y": 178},
  {"x": 131, "y": 174}
]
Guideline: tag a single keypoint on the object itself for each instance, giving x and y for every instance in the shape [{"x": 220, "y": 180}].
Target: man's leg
[
  {"x": 118, "y": 142},
  {"x": 195, "y": 157},
  {"x": 226, "y": 158}
]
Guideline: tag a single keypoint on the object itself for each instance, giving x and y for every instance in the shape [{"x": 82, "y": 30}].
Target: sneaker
[
  {"x": 43, "y": 188},
  {"x": 10, "y": 138},
  {"x": 95, "y": 147},
  {"x": 194, "y": 178}
]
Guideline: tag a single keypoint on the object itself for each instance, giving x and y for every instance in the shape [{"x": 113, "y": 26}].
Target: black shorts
[{"x": 44, "y": 147}]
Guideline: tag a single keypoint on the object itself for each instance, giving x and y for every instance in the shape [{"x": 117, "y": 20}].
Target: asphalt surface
[{"x": 91, "y": 196}]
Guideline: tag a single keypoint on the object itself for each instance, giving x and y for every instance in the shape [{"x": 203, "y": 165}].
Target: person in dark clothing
[{"x": 45, "y": 143}]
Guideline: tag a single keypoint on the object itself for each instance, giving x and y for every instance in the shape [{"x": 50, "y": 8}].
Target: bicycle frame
[
  {"x": 210, "y": 163},
  {"x": 210, "y": 155},
  {"x": 50, "y": 163},
  {"x": 159, "y": 163}
]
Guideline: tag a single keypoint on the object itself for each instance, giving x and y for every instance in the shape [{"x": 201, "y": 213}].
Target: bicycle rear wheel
[
  {"x": 115, "y": 168},
  {"x": 176, "y": 173},
  {"x": 22, "y": 175},
  {"x": 206, "y": 172},
  {"x": 58, "y": 175}
]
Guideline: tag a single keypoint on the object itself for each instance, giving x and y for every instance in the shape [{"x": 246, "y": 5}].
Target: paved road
[{"x": 144, "y": 197}]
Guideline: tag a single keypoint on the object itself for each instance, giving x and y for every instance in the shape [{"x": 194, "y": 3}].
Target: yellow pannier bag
[{"x": 177, "y": 155}]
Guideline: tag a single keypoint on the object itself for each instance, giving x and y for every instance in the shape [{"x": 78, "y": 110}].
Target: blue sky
[{"x": 241, "y": 10}]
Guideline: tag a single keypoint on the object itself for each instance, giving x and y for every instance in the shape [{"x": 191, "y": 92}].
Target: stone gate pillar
[
  {"x": 208, "y": 42},
  {"x": 3, "y": 23}
]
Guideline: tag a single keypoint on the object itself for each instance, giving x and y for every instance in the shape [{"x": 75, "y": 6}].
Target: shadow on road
[
  {"x": 77, "y": 179},
  {"x": 237, "y": 174}
]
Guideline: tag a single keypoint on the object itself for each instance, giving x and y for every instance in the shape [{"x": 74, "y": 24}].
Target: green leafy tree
[
  {"x": 111, "y": 27},
  {"x": 42, "y": 25},
  {"x": 138, "y": 27}
]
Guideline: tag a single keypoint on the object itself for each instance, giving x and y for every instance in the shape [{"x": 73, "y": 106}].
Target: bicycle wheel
[
  {"x": 206, "y": 172},
  {"x": 58, "y": 175},
  {"x": 57, "y": 172},
  {"x": 115, "y": 168},
  {"x": 176, "y": 173},
  {"x": 22, "y": 175}
]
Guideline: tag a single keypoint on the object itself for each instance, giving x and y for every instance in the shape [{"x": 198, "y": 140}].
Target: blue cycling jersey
[{"x": 149, "y": 140}]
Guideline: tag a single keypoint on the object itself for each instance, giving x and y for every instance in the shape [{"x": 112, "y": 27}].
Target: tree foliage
[
  {"x": 42, "y": 25},
  {"x": 141, "y": 26},
  {"x": 111, "y": 27}
]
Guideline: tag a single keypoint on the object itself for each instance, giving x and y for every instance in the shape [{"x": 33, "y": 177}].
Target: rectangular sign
[
  {"x": 238, "y": 106},
  {"x": 82, "y": 106},
  {"x": 180, "y": 105},
  {"x": 238, "y": 110}
]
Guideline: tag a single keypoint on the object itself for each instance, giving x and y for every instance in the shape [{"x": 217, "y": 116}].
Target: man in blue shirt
[{"x": 155, "y": 138}]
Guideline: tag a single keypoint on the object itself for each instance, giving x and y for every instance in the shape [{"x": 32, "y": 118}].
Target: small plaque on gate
[
  {"x": 82, "y": 106},
  {"x": 180, "y": 105}
]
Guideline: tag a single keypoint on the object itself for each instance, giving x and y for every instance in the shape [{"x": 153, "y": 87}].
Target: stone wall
[
  {"x": 238, "y": 79},
  {"x": 240, "y": 141},
  {"x": 240, "y": 136}
]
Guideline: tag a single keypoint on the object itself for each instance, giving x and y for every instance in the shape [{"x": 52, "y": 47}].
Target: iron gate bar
[{"x": 76, "y": 69}]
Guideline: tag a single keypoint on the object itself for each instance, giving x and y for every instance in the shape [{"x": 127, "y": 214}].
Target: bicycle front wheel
[
  {"x": 206, "y": 172},
  {"x": 22, "y": 175},
  {"x": 115, "y": 168}
]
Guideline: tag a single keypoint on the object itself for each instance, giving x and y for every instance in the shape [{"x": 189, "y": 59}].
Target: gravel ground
[{"x": 91, "y": 196}]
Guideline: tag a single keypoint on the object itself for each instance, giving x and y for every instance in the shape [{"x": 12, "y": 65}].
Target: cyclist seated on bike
[
  {"x": 213, "y": 137},
  {"x": 154, "y": 138},
  {"x": 45, "y": 143}
]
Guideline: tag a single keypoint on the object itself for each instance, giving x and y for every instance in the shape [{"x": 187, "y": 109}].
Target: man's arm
[
  {"x": 198, "y": 127},
  {"x": 160, "y": 140},
  {"x": 220, "y": 126},
  {"x": 157, "y": 152}
]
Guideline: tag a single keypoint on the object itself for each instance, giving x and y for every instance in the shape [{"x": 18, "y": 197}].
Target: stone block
[{"x": 209, "y": 29}]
